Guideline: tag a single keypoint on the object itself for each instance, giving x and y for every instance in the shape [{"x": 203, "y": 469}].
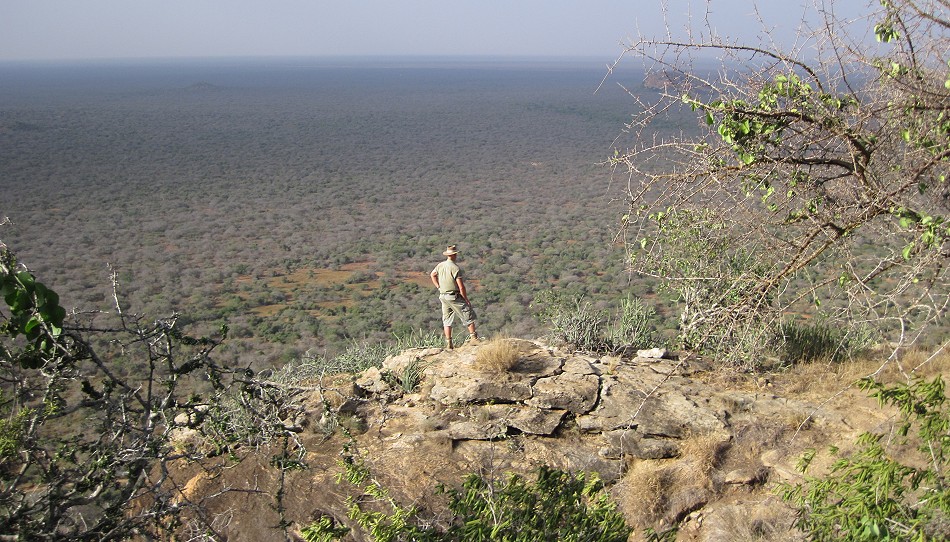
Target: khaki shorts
[{"x": 454, "y": 306}]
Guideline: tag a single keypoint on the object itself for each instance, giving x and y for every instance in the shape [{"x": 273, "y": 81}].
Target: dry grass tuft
[
  {"x": 824, "y": 378},
  {"x": 652, "y": 490},
  {"x": 700, "y": 456},
  {"x": 643, "y": 492},
  {"x": 497, "y": 356},
  {"x": 751, "y": 522},
  {"x": 927, "y": 363}
]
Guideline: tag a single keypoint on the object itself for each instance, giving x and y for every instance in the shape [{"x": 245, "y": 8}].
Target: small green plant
[
  {"x": 11, "y": 434},
  {"x": 820, "y": 340},
  {"x": 632, "y": 325},
  {"x": 556, "y": 505},
  {"x": 572, "y": 321},
  {"x": 357, "y": 357},
  {"x": 323, "y": 530},
  {"x": 663, "y": 535},
  {"x": 418, "y": 338},
  {"x": 576, "y": 322},
  {"x": 408, "y": 378},
  {"x": 870, "y": 495}
]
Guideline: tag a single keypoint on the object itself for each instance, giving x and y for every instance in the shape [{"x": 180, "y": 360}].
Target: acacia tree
[
  {"x": 819, "y": 176},
  {"x": 92, "y": 410}
]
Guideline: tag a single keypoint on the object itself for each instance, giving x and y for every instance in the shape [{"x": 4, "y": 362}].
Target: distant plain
[{"x": 303, "y": 201}]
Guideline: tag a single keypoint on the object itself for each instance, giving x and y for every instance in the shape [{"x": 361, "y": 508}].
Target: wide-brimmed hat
[{"x": 450, "y": 250}]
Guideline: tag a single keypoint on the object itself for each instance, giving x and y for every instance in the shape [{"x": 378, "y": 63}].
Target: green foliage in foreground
[
  {"x": 557, "y": 505},
  {"x": 870, "y": 495},
  {"x": 84, "y": 445}
]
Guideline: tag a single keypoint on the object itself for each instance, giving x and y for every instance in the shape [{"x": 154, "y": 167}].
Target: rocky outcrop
[
  {"x": 673, "y": 447},
  {"x": 620, "y": 409}
]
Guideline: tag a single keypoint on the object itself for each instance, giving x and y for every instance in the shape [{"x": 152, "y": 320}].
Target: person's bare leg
[
  {"x": 448, "y": 337},
  {"x": 471, "y": 332}
]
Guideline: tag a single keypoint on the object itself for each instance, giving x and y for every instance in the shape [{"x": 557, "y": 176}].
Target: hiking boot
[
  {"x": 474, "y": 339},
  {"x": 448, "y": 345}
]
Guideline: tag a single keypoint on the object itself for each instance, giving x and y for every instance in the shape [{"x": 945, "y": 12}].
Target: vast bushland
[
  {"x": 807, "y": 192},
  {"x": 303, "y": 202}
]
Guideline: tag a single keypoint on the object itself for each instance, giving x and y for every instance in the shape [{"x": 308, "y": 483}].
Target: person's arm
[
  {"x": 434, "y": 275},
  {"x": 461, "y": 286}
]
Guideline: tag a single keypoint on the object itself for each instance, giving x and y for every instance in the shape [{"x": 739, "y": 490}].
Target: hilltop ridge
[{"x": 674, "y": 443}]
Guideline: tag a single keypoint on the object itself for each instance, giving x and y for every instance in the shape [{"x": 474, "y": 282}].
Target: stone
[
  {"x": 581, "y": 460},
  {"x": 629, "y": 443},
  {"x": 745, "y": 476},
  {"x": 535, "y": 421},
  {"x": 575, "y": 392},
  {"x": 684, "y": 502},
  {"x": 671, "y": 414},
  {"x": 480, "y": 390},
  {"x": 398, "y": 362},
  {"x": 653, "y": 353},
  {"x": 371, "y": 380},
  {"x": 579, "y": 366},
  {"x": 460, "y": 382},
  {"x": 476, "y": 430}
]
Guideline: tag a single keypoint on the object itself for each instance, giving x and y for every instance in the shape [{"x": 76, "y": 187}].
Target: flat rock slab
[
  {"x": 533, "y": 421},
  {"x": 577, "y": 393},
  {"x": 480, "y": 390},
  {"x": 489, "y": 422},
  {"x": 671, "y": 414},
  {"x": 630, "y": 443},
  {"x": 460, "y": 382},
  {"x": 477, "y": 430}
]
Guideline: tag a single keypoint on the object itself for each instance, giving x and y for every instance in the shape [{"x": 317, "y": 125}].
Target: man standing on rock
[{"x": 447, "y": 277}]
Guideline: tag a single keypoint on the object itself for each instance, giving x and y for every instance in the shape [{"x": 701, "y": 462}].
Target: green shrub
[
  {"x": 820, "y": 340},
  {"x": 572, "y": 321},
  {"x": 419, "y": 338},
  {"x": 356, "y": 358},
  {"x": 632, "y": 325},
  {"x": 576, "y": 322},
  {"x": 870, "y": 495},
  {"x": 556, "y": 505},
  {"x": 408, "y": 378},
  {"x": 90, "y": 410}
]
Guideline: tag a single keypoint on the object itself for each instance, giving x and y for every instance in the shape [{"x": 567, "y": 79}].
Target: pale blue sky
[{"x": 82, "y": 29}]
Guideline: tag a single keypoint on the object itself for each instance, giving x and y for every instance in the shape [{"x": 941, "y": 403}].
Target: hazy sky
[{"x": 71, "y": 29}]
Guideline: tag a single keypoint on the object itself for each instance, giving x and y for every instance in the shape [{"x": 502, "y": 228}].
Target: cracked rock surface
[{"x": 638, "y": 422}]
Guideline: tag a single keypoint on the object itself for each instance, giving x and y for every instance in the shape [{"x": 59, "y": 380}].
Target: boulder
[{"x": 577, "y": 393}]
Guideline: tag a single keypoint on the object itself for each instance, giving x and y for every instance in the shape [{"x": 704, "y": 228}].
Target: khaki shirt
[{"x": 448, "y": 272}]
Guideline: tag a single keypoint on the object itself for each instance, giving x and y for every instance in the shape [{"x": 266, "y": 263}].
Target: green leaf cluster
[
  {"x": 932, "y": 231},
  {"x": 873, "y": 495},
  {"x": 820, "y": 340},
  {"x": 752, "y": 128},
  {"x": 34, "y": 311},
  {"x": 555, "y": 505}
]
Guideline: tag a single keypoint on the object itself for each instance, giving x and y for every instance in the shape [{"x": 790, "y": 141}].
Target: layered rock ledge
[{"x": 673, "y": 445}]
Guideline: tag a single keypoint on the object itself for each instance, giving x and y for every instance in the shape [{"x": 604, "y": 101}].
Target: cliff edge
[{"x": 676, "y": 442}]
